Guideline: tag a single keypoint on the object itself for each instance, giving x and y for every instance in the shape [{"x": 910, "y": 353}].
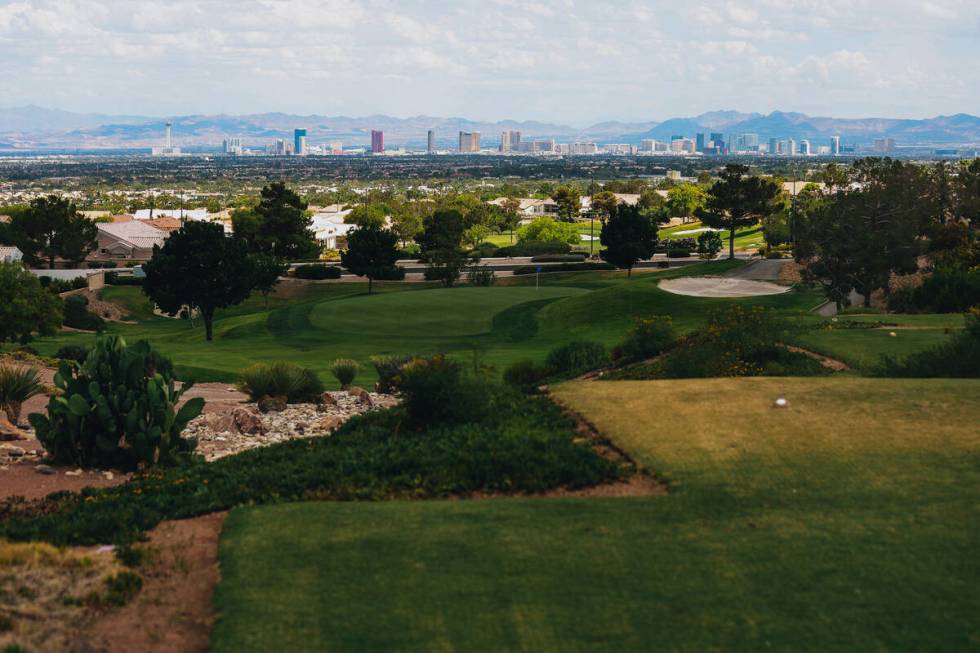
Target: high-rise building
[
  {"x": 805, "y": 147},
  {"x": 430, "y": 142},
  {"x": 835, "y": 145},
  {"x": 790, "y": 147},
  {"x": 749, "y": 142},
  {"x": 233, "y": 145},
  {"x": 168, "y": 148},
  {"x": 299, "y": 142},
  {"x": 700, "y": 142},
  {"x": 469, "y": 141},
  {"x": 510, "y": 141},
  {"x": 773, "y": 146},
  {"x": 648, "y": 145},
  {"x": 377, "y": 141},
  {"x": 884, "y": 144}
]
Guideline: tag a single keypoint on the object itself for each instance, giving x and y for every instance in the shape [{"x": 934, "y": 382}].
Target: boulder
[
  {"x": 247, "y": 422},
  {"x": 360, "y": 394},
  {"x": 272, "y": 404},
  {"x": 221, "y": 422},
  {"x": 11, "y": 451},
  {"x": 9, "y": 430},
  {"x": 327, "y": 399},
  {"x": 328, "y": 423}
]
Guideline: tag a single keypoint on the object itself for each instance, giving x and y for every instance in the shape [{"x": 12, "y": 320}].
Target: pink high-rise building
[{"x": 377, "y": 141}]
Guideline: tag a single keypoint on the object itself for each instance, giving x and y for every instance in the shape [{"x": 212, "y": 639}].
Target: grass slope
[{"x": 846, "y": 522}]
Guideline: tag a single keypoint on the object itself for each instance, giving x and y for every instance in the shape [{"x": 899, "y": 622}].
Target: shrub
[
  {"x": 297, "y": 384},
  {"x": 116, "y": 279},
  {"x": 648, "y": 338},
  {"x": 481, "y": 275},
  {"x": 679, "y": 252},
  {"x": 558, "y": 258},
  {"x": 563, "y": 267},
  {"x": 345, "y": 371},
  {"x": 577, "y": 357},
  {"x": 393, "y": 273},
  {"x": 526, "y": 375},
  {"x": 959, "y": 357},
  {"x": 948, "y": 290},
  {"x": 486, "y": 250},
  {"x": 17, "y": 385},
  {"x": 77, "y": 315},
  {"x": 548, "y": 230},
  {"x": 534, "y": 248},
  {"x": 317, "y": 271},
  {"x": 676, "y": 244},
  {"x": 709, "y": 244},
  {"x": 75, "y": 353},
  {"x": 117, "y": 408},
  {"x": 387, "y": 368},
  {"x": 435, "y": 391}
]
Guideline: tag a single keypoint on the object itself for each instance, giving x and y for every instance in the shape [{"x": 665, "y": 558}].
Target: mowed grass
[
  {"x": 846, "y": 522},
  {"x": 314, "y": 324}
]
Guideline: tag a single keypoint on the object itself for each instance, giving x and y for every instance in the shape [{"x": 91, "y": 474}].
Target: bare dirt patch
[
  {"x": 826, "y": 361},
  {"x": 173, "y": 611}
]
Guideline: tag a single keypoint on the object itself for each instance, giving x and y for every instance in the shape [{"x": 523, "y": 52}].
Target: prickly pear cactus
[{"x": 118, "y": 408}]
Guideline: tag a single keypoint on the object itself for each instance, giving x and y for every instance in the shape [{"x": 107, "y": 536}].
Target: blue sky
[{"x": 572, "y": 61}]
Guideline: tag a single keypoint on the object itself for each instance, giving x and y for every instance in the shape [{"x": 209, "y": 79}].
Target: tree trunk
[
  {"x": 370, "y": 284},
  {"x": 51, "y": 262},
  {"x": 208, "y": 318},
  {"x": 629, "y": 272},
  {"x": 731, "y": 241}
]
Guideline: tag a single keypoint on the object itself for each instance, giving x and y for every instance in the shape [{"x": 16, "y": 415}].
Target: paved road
[{"x": 761, "y": 270}]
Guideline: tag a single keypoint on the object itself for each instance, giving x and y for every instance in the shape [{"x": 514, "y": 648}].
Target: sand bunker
[{"x": 720, "y": 287}]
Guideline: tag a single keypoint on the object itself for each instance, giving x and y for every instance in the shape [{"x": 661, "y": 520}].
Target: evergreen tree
[
  {"x": 737, "y": 200},
  {"x": 628, "y": 236},
  {"x": 370, "y": 251},
  {"x": 53, "y": 228}
]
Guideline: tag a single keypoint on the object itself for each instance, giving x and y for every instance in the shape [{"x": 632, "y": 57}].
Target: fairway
[{"x": 846, "y": 522}]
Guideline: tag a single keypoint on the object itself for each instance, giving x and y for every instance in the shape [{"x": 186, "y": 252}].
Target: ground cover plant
[
  {"x": 844, "y": 521},
  {"x": 18, "y": 383},
  {"x": 294, "y": 384},
  {"x": 518, "y": 444}
]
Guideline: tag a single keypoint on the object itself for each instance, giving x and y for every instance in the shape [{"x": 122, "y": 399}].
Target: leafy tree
[
  {"x": 199, "y": 267},
  {"x": 709, "y": 244},
  {"x": 268, "y": 269},
  {"x": 775, "y": 228},
  {"x": 370, "y": 251},
  {"x": 366, "y": 214},
  {"x": 284, "y": 228},
  {"x": 548, "y": 230},
  {"x": 628, "y": 236},
  {"x": 510, "y": 216},
  {"x": 569, "y": 202},
  {"x": 737, "y": 200},
  {"x": 826, "y": 246},
  {"x": 406, "y": 220},
  {"x": 685, "y": 200},
  {"x": 650, "y": 199},
  {"x": 245, "y": 224},
  {"x": 968, "y": 192},
  {"x": 835, "y": 178},
  {"x": 53, "y": 228},
  {"x": 26, "y": 309},
  {"x": 441, "y": 242},
  {"x": 604, "y": 203}
]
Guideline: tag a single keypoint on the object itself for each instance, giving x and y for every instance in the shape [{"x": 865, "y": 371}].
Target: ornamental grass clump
[
  {"x": 17, "y": 385},
  {"x": 298, "y": 385},
  {"x": 345, "y": 371}
]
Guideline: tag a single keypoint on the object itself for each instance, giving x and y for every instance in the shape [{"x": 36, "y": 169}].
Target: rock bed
[{"x": 242, "y": 427}]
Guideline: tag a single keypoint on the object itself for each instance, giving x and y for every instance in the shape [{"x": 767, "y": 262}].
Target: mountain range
[{"x": 33, "y": 127}]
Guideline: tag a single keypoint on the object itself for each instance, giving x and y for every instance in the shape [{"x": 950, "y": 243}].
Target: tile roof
[{"x": 137, "y": 234}]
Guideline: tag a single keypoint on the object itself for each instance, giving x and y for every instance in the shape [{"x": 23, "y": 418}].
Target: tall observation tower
[{"x": 168, "y": 148}]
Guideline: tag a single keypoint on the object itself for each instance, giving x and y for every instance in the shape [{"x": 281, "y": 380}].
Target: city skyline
[{"x": 573, "y": 62}]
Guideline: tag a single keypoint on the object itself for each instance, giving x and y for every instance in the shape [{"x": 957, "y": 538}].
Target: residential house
[
  {"x": 198, "y": 215},
  {"x": 126, "y": 241},
  {"x": 330, "y": 230},
  {"x": 10, "y": 254},
  {"x": 531, "y": 208}
]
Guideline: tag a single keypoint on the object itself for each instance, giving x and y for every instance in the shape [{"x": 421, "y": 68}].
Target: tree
[
  {"x": 604, "y": 203},
  {"x": 510, "y": 216},
  {"x": 26, "y": 309},
  {"x": 709, "y": 244},
  {"x": 441, "y": 241},
  {"x": 366, "y": 214},
  {"x": 370, "y": 251},
  {"x": 629, "y": 236},
  {"x": 685, "y": 200},
  {"x": 737, "y": 201},
  {"x": 826, "y": 247},
  {"x": 53, "y": 228},
  {"x": 284, "y": 228},
  {"x": 547, "y": 230},
  {"x": 569, "y": 202},
  {"x": 201, "y": 268},
  {"x": 268, "y": 269}
]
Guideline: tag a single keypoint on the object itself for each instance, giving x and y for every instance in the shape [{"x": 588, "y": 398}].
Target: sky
[{"x": 567, "y": 61}]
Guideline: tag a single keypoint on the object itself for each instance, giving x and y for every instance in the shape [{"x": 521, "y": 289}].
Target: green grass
[
  {"x": 314, "y": 324},
  {"x": 846, "y": 522}
]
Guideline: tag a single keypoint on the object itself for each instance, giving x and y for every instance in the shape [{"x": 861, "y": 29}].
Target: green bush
[
  {"x": 345, "y": 371},
  {"x": 317, "y": 272},
  {"x": 563, "y": 267},
  {"x": 534, "y": 248},
  {"x": 948, "y": 290},
  {"x": 486, "y": 250},
  {"x": 526, "y": 444},
  {"x": 116, "y": 279},
  {"x": 17, "y": 385},
  {"x": 387, "y": 368},
  {"x": 959, "y": 357},
  {"x": 435, "y": 391},
  {"x": 77, "y": 315},
  {"x": 76, "y": 353},
  {"x": 577, "y": 357},
  {"x": 709, "y": 244},
  {"x": 481, "y": 275},
  {"x": 647, "y": 338},
  {"x": 118, "y": 408},
  {"x": 558, "y": 258},
  {"x": 297, "y": 384},
  {"x": 526, "y": 375},
  {"x": 394, "y": 273},
  {"x": 548, "y": 230}
]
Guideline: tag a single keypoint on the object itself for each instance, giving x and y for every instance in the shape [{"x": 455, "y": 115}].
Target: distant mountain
[{"x": 30, "y": 126}]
